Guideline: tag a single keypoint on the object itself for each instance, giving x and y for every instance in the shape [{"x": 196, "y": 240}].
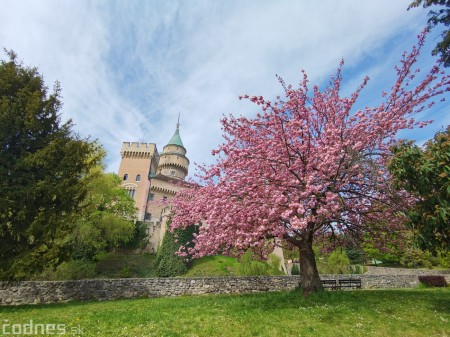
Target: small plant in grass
[{"x": 124, "y": 272}]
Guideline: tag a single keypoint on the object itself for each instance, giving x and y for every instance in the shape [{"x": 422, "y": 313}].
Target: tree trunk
[{"x": 309, "y": 276}]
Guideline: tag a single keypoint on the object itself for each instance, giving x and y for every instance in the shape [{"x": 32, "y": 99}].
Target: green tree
[
  {"x": 440, "y": 16},
  {"x": 425, "y": 172},
  {"x": 42, "y": 168},
  {"x": 106, "y": 219},
  {"x": 168, "y": 262},
  {"x": 139, "y": 240},
  {"x": 338, "y": 262},
  {"x": 355, "y": 254}
]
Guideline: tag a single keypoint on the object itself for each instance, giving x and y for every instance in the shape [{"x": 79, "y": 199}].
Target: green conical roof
[{"x": 176, "y": 139}]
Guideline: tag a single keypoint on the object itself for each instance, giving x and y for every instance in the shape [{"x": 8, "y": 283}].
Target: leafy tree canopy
[
  {"x": 437, "y": 17},
  {"x": 106, "y": 218},
  {"x": 307, "y": 166},
  {"x": 425, "y": 172},
  {"x": 43, "y": 164}
]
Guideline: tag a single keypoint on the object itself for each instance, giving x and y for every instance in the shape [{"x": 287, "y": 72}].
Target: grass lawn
[{"x": 406, "y": 312}]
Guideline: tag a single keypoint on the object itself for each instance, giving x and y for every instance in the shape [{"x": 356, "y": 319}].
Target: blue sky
[{"x": 128, "y": 67}]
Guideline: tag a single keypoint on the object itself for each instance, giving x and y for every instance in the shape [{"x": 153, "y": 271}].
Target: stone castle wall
[{"x": 33, "y": 292}]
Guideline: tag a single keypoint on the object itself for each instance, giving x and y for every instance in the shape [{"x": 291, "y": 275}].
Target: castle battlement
[{"x": 136, "y": 149}]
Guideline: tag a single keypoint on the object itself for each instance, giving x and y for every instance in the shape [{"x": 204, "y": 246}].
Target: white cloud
[{"x": 127, "y": 68}]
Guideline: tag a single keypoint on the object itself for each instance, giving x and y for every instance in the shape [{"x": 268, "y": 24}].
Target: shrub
[
  {"x": 250, "y": 267},
  {"x": 414, "y": 258},
  {"x": 336, "y": 263},
  {"x": 443, "y": 259},
  {"x": 356, "y": 269},
  {"x": 295, "y": 269},
  {"x": 70, "y": 270},
  {"x": 274, "y": 265},
  {"x": 433, "y": 280},
  {"x": 124, "y": 272}
]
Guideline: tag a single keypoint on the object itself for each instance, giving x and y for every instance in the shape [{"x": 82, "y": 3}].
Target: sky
[{"x": 128, "y": 68}]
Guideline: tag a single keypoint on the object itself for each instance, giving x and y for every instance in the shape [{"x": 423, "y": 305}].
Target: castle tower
[
  {"x": 151, "y": 177},
  {"x": 173, "y": 161},
  {"x": 139, "y": 162}
]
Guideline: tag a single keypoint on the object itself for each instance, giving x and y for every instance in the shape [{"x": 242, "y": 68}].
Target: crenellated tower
[{"x": 139, "y": 162}]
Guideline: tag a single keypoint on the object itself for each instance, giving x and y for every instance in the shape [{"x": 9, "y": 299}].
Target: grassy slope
[
  {"x": 113, "y": 265},
  {"x": 213, "y": 266},
  {"x": 412, "y": 312}
]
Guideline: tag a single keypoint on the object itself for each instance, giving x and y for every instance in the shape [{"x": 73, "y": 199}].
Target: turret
[{"x": 173, "y": 161}]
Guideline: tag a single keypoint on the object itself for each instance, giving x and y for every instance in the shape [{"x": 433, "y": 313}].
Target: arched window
[
  {"x": 125, "y": 176},
  {"x": 138, "y": 177}
]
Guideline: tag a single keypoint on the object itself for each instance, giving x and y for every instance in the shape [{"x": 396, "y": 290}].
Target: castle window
[
  {"x": 151, "y": 196},
  {"x": 148, "y": 216},
  {"x": 172, "y": 173},
  {"x": 131, "y": 193},
  {"x": 138, "y": 177},
  {"x": 125, "y": 176}
]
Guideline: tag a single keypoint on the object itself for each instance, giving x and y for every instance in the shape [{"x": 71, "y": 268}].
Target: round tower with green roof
[{"x": 173, "y": 161}]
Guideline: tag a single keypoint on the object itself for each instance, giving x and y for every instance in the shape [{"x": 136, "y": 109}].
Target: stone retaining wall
[
  {"x": 30, "y": 292},
  {"x": 372, "y": 270}
]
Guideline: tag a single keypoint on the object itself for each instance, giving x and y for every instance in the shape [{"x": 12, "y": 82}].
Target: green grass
[
  {"x": 114, "y": 265},
  {"x": 406, "y": 312},
  {"x": 213, "y": 266}
]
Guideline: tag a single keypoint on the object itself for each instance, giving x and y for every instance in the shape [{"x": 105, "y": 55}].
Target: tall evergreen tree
[
  {"x": 168, "y": 262},
  {"x": 42, "y": 166}
]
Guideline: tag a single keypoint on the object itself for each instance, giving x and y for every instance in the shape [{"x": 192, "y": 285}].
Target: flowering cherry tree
[{"x": 306, "y": 166}]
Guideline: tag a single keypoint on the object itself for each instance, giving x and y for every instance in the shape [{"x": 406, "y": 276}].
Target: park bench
[
  {"x": 329, "y": 284},
  {"x": 350, "y": 283},
  {"x": 342, "y": 283}
]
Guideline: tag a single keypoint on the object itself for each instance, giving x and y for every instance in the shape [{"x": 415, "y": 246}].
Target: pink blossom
[{"x": 307, "y": 164}]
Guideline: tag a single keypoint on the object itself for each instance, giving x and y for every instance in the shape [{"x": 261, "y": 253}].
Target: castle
[{"x": 150, "y": 176}]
